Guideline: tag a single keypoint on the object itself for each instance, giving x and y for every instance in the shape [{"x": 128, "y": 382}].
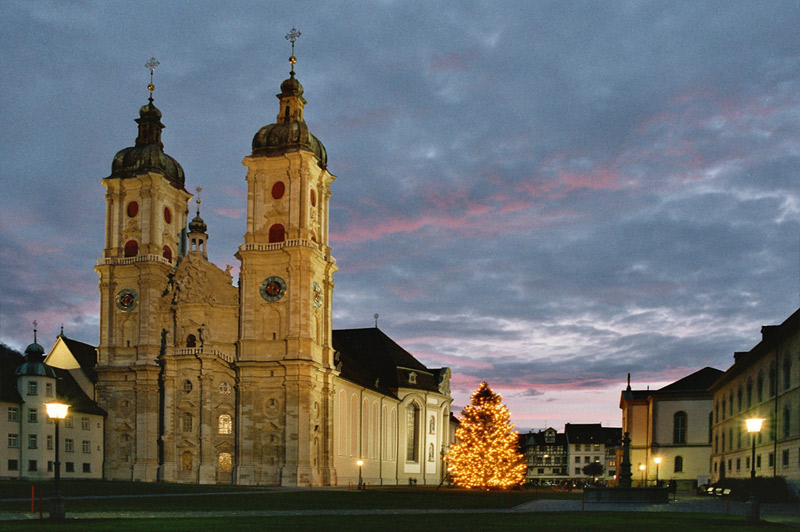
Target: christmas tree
[{"x": 487, "y": 453}]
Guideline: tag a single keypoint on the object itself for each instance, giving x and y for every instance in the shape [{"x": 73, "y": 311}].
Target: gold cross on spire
[
  {"x": 292, "y": 37},
  {"x": 151, "y": 66},
  {"x": 199, "y": 190}
]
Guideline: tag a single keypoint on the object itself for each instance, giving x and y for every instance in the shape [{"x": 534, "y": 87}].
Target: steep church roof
[{"x": 371, "y": 359}]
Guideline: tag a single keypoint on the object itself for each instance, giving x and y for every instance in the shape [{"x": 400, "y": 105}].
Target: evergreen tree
[{"x": 487, "y": 454}]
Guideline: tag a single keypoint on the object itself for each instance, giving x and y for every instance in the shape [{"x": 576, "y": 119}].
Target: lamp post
[
  {"x": 360, "y": 463},
  {"x": 57, "y": 411},
  {"x": 657, "y": 460},
  {"x": 753, "y": 510},
  {"x": 641, "y": 468}
]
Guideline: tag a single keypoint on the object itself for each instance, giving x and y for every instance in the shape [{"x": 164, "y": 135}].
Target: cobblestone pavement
[{"x": 787, "y": 514}]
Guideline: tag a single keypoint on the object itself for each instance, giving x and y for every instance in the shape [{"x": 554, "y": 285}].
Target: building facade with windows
[
  {"x": 554, "y": 457},
  {"x": 674, "y": 425},
  {"x": 28, "y": 448},
  {"x": 211, "y": 379},
  {"x": 762, "y": 383}
]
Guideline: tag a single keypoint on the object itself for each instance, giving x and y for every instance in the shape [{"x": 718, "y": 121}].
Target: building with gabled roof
[{"x": 672, "y": 424}]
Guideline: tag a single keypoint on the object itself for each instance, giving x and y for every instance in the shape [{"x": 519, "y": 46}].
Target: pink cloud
[{"x": 231, "y": 212}]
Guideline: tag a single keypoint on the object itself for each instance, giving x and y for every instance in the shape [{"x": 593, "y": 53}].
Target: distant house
[
  {"x": 672, "y": 424},
  {"x": 590, "y": 443},
  {"x": 762, "y": 383},
  {"x": 26, "y": 384},
  {"x": 546, "y": 453}
]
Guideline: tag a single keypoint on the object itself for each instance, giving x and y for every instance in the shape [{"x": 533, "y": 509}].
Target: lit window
[
  {"x": 225, "y": 462},
  {"x": 225, "y": 424}
]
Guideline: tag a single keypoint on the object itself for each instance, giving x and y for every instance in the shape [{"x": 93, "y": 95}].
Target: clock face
[
  {"x": 317, "y": 294},
  {"x": 126, "y": 300},
  {"x": 273, "y": 288}
]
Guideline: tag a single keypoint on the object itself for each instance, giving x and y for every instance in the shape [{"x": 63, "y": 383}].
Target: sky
[{"x": 542, "y": 195}]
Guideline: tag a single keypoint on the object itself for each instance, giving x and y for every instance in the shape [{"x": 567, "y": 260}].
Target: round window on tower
[
  {"x": 278, "y": 190},
  {"x": 133, "y": 209},
  {"x": 167, "y": 215},
  {"x": 313, "y": 198},
  {"x": 167, "y": 253}
]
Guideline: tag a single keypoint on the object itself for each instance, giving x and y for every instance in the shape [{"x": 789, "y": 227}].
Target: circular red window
[
  {"x": 278, "y": 189},
  {"x": 167, "y": 215},
  {"x": 313, "y": 198},
  {"x": 133, "y": 209}
]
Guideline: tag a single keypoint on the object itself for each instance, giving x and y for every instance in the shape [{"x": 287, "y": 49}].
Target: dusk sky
[{"x": 542, "y": 195}]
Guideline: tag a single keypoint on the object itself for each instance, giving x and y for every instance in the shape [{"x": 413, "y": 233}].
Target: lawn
[
  {"x": 157, "y": 498},
  {"x": 507, "y": 522}
]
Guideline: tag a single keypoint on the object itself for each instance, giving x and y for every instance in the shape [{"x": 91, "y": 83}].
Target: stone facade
[
  {"x": 208, "y": 381},
  {"x": 762, "y": 383}
]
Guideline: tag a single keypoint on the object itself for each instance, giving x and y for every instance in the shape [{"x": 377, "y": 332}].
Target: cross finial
[
  {"x": 376, "y": 316},
  {"x": 35, "y": 324},
  {"x": 292, "y": 37},
  {"x": 151, "y": 66}
]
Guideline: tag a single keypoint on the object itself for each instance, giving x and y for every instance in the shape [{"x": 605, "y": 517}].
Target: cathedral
[{"x": 207, "y": 378}]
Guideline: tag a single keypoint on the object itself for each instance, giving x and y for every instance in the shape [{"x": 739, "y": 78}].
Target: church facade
[{"x": 211, "y": 379}]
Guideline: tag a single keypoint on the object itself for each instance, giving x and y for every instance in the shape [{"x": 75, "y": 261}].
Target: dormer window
[{"x": 412, "y": 378}]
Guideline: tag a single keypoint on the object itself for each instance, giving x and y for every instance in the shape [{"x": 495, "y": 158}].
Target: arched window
[
  {"x": 167, "y": 253},
  {"x": 342, "y": 435},
  {"x": 225, "y": 424},
  {"x": 787, "y": 422},
  {"x": 760, "y": 386},
  {"x": 724, "y": 404},
  {"x": 679, "y": 427},
  {"x": 186, "y": 422},
  {"x": 277, "y": 233},
  {"x": 131, "y": 248},
  {"x": 186, "y": 461},
  {"x": 679, "y": 464},
  {"x": 710, "y": 425},
  {"x": 191, "y": 341},
  {"x": 787, "y": 373},
  {"x": 167, "y": 215},
  {"x": 749, "y": 391},
  {"x": 739, "y": 399},
  {"x": 412, "y": 433},
  {"x": 773, "y": 379}
]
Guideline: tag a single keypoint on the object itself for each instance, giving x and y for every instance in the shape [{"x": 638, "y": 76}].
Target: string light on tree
[{"x": 487, "y": 453}]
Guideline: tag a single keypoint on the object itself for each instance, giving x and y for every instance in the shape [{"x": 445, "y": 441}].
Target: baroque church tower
[{"x": 285, "y": 349}]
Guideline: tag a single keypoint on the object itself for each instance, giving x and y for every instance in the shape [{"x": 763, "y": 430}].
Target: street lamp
[
  {"x": 57, "y": 411},
  {"x": 752, "y": 507},
  {"x": 753, "y": 427},
  {"x": 657, "y": 460},
  {"x": 641, "y": 468},
  {"x": 360, "y": 463}
]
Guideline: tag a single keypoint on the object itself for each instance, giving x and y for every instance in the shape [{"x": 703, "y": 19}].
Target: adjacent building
[
  {"x": 762, "y": 383},
  {"x": 673, "y": 425},
  {"x": 27, "y": 449}
]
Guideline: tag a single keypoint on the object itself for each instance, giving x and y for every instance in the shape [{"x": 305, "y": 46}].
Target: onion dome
[
  {"x": 34, "y": 362},
  {"x": 290, "y": 132},
  {"x": 197, "y": 225},
  {"x": 148, "y": 153}
]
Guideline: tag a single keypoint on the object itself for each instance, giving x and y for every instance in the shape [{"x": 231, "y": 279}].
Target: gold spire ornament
[
  {"x": 292, "y": 36},
  {"x": 151, "y": 66}
]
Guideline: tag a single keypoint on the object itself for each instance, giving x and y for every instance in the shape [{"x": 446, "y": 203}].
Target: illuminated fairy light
[{"x": 487, "y": 453}]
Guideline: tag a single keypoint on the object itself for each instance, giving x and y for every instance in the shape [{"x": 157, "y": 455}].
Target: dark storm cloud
[{"x": 543, "y": 195}]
